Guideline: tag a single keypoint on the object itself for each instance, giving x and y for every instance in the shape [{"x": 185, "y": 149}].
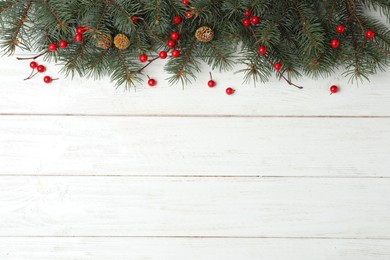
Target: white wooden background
[{"x": 90, "y": 172}]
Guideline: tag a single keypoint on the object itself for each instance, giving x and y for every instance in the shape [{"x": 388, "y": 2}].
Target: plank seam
[
  {"x": 211, "y": 237},
  {"x": 193, "y": 116}
]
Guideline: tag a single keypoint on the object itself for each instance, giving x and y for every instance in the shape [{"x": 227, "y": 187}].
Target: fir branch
[
  {"x": 128, "y": 74},
  {"x": 6, "y": 7},
  {"x": 14, "y": 42},
  {"x": 120, "y": 8},
  {"x": 60, "y": 24},
  {"x": 104, "y": 11}
]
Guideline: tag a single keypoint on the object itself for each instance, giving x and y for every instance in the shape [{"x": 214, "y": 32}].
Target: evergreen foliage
[{"x": 296, "y": 33}]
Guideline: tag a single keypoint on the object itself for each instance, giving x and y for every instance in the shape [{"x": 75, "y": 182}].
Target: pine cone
[
  {"x": 104, "y": 41},
  {"x": 121, "y": 42},
  {"x": 204, "y": 34}
]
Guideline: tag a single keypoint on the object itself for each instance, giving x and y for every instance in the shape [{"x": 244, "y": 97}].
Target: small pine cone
[
  {"x": 104, "y": 41},
  {"x": 204, "y": 34},
  {"x": 121, "y": 42}
]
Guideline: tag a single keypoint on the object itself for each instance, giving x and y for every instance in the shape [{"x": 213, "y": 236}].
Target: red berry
[
  {"x": 229, "y": 91},
  {"x": 163, "y": 54},
  {"x": 185, "y": 2},
  {"x": 211, "y": 83},
  {"x": 278, "y": 66},
  {"x": 335, "y": 43},
  {"x": 152, "y": 82},
  {"x": 135, "y": 19},
  {"x": 255, "y": 20},
  {"x": 175, "y": 53},
  {"x": 248, "y": 13},
  {"x": 340, "y": 29},
  {"x": 262, "y": 50},
  {"x": 41, "y": 68},
  {"x": 52, "y": 47},
  {"x": 78, "y": 37},
  {"x": 80, "y": 30},
  {"x": 47, "y": 79},
  {"x": 174, "y": 36},
  {"x": 370, "y": 34},
  {"x": 171, "y": 44},
  {"x": 246, "y": 22},
  {"x": 177, "y": 19},
  {"x": 189, "y": 14},
  {"x": 62, "y": 44},
  {"x": 86, "y": 29},
  {"x": 143, "y": 58},
  {"x": 33, "y": 65},
  {"x": 334, "y": 89}
]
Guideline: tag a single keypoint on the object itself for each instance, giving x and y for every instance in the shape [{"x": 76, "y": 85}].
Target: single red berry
[
  {"x": 86, "y": 29},
  {"x": 248, "y": 13},
  {"x": 246, "y": 22},
  {"x": 370, "y": 34},
  {"x": 47, "y": 79},
  {"x": 143, "y": 58},
  {"x": 78, "y": 37},
  {"x": 175, "y": 53},
  {"x": 255, "y": 20},
  {"x": 135, "y": 19},
  {"x": 174, "y": 36},
  {"x": 33, "y": 65},
  {"x": 163, "y": 54},
  {"x": 278, "y": 66},
  {"x": 229, "y": 91},
  {"x": 63, "y": 44},
  {"x": 340, "y": 29},
  {"x": 335, "y": 43},
  {"x": 211, "y": 83},
  {"x": 177, "y": 19},
  {"x": 185, "y": 2},
  {"x": 334, "y": 89},
  {"x": 52, "y": 47},
  {"x": 171, "y": 44},
  {"x": 262, "y": 50},
  {"x": 152, "y": 82},
  {"x": 41, "y": 68},
  {"x": 80, "y": 30},
  {"x": 189, "y": 14}
]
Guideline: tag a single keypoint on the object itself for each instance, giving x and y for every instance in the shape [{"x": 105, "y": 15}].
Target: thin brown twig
[
  {"x": 147, "y": 65},
  {"x": 33, "y": 58}
]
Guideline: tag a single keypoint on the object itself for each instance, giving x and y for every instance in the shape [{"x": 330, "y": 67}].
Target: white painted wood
[
  {"x": 234, "y": 207},
  {"x": 194, "y": 146},
  {"x": 83, "y": 96},
  {"x": 191, "y": 249}
]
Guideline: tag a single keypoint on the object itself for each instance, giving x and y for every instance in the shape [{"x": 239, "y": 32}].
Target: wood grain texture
[
  {"x": 276, "y": 98},
  {"x": 194, "y": 146},
  {"x": 216, "y": 207},
  {"x": 191, "y": 249}
]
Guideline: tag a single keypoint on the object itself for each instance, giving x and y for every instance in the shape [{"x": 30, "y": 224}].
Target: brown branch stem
[{"x": 33, "y": 58}]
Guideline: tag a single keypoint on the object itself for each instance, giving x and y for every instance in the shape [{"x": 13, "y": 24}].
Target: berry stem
[
  {"x": 150, "y": 62},
  {"x": 31, "y": 75},
  {"x": 33, "y": 58},
  {"x": 211, "y": 76}
]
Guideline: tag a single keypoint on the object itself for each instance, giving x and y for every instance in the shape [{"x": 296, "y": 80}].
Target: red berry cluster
[
  {"x": 40, "y": 69},
  {"x": 80, "y": 30},
  {"x": 53, "y": 47},
  {"x": 188, "y": 14},
  {"x": 249, "y": 19},
  {"x": 340, "y": 29}
]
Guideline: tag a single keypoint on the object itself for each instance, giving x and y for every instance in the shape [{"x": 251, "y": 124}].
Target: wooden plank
[
  {"x": 194, "y": 146},
  {"x": 191, "y": 249},
  {"x": 216, "y": 207},
  {"x": 84, "y": 96}
]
